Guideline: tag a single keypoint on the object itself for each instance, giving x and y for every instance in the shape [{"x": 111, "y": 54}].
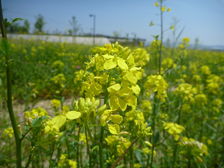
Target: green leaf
[
  {"x": 5, "y": 47},
  {"x": 138, "y": 156},
  {"x": 16, "y": 19},
  {"x": 37, "y": 121},
  {"x": 120, "y": 166},
  {"x": 157, "y": 136},
  {"x": 95, "y": 148}
]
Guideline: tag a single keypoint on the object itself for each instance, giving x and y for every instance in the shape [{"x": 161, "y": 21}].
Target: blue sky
[{"x": 202, "y": 19}]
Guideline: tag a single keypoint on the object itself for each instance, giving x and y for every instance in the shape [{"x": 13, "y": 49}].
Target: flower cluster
[
  {"x": 8, "y": 132},
  {"x": 34, "y": 113},
  {"x": 213, "y": 84},
  {"x": 191, "y": 147},
  {"x": 65, "y": 162},
  {"x": 201, "y": 99},
  {"x": 186, "y": 91},
  {"x": 173, "y": 129},
  {"x": 118, "y": 142},
  {"x": 156, "y": 84}
]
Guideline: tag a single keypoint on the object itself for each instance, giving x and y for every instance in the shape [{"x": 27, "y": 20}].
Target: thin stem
[
  {"x": 78, "y": 147},
  {"x": 102, "y": 128},
  {"x": 51, "y": 155},
  {"x": 91, "y": 137},
  {"x": 153, "y": 127},
  {"x": 87, "y": 142},
  {"x": 161, "y": 44},
  {"x": 176, "y": 146},
  {"x": 124, "y": 153},
  {"x": 9, "y": 95}
]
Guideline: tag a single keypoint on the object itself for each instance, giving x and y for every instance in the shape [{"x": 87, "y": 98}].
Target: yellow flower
[
  {"x": 163, "y": 8},
  {"x": 173, "y": 129},
  {"x": 168, "y": 10},
  {"x": 112, "y": 61},
  {"x": 137, "y": 165},
  {"x": 151, "y": 23},
  {"x": 55, "y": 103},
  {"x": 156, "y": 4},
  {"x": 8, "y": 131},
  {"x": 156, "y": 83},
  {"x": 186, "y": 91},
  {"x": 201, "y": 99},
  {"x": 172, "y": 27}
]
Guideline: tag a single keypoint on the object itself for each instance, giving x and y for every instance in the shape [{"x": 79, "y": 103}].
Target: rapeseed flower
[
  {"x": 173, "y": 129},
  {"x": 156, "y": 84},
  {"x": 186, "y": 92}
]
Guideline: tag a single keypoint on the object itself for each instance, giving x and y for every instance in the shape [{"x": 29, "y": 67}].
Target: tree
[
  {"x": 26, "y": 26},
  {"x": 75, "y": 25},
  {"x": 16, "y": 28},
  {"x": 39, "y": 23}
]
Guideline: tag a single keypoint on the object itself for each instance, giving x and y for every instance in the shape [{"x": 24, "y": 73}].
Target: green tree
[
  {"x": 26, "y": 26},
  {"x": 39, "y": 23},
  {"x": 75, "y": 26}
]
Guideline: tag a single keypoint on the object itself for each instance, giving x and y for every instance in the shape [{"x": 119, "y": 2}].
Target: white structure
[{"x": 59, "y": 38}]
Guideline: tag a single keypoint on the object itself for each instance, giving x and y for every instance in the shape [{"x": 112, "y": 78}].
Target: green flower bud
[{"x": 101, "y": 109}]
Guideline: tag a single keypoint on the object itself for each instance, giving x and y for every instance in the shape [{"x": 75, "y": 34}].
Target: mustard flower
[
  {"x": 191, "y": 147},
  {"x": 213, "y": 84},
  {"x": 137, "y": 165},
  {"x": 167, "y": 63},
  {"x": 151, "y": 23},
  {"x": 217, "y": 104},
  {"x": 120, "y": 143},
  {"x": 173, "y": 129},
  {"x": 168, "y": 10},
  {"x": 186, "y": 108},
  {"x": 156, "y": 83},
  {"x": 8, "y": 131},
  {"x": 185, "y": 41},
  {"x": 171, "y": 27},
  {"x": 196, "y": 78},
  {"x": 205, "y": 70},
  {"x": 55, "y": 103},
  {"x": 201, "y": 99},
  {"x": 186, "y": 91},
  {"x": 87, "y": 108},
  {"x": 58, "y": 64},
  {"x": 163, "y": 8},
  {"x": 146, "y": 105},
  {"x": 193, "y": 68},
  {"x": 141, "y": 57},
  {"x": 135, "y": 115}
]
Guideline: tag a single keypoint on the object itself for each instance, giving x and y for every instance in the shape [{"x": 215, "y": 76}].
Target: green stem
[
  {"x": 91, "y": 137},
  {"x": 178, "y": 122},
  {"x": 87, "y": 142},
  {"x": 102, "y": 128},
  {"x": 161, "y": 44},
  {"x": 9, "y": 95},
  {"x": 153, "y": 127},
  {"x": 51, "y": 155},
  {"x": 124, "y": 153},
  {"x": 77, "y": 155}
]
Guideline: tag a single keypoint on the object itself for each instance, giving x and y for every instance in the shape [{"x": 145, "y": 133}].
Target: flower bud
[
  {"x": 19, "y": 129},
  {"x": 101, "y": 109},
  {"x": 81, "y": 104},
  {"x": 30, "y": 120}
]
